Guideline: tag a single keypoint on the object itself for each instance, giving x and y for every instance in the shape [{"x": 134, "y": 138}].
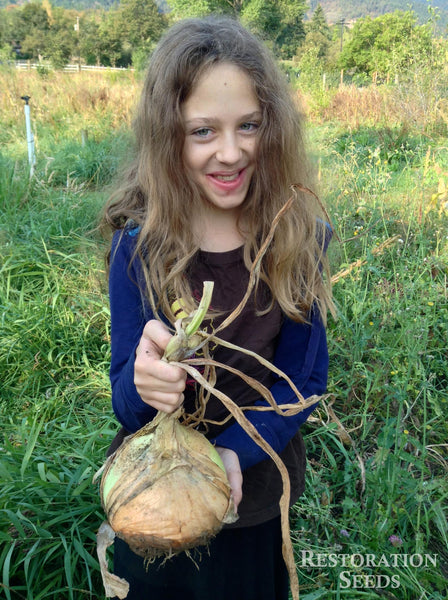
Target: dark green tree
[
  {"x": 62, "y": 39},
  {"x": 183, "y": 9},
  {"x": 318, "y": 37},
  {"x": 112, "y": 40},
  {"x": 263, "y": 17},
  {"x": 318, "y": 23},
  {"x": 292, "y": 29},
  {"x": 90, "y": 43},
  {"x": 30, "y": 26},
  {"x": 60, "y": 48},
  {"x": 5, "y": 28},
  {"x": 143, "y": 24}
]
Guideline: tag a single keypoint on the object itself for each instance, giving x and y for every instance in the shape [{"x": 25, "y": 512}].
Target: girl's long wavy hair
[{"x": 158, "y": 196}]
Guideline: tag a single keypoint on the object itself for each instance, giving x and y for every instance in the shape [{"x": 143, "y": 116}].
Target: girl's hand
[
  {"x": 233, "y": 470},
  {"x": 159, "y": 384}
]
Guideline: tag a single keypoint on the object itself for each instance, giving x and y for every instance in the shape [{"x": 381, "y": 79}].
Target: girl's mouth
[{"x": 227, "y": 182}]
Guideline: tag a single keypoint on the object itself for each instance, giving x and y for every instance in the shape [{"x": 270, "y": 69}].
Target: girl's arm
[
  {"x": 141, "y": 382},
  {"x": 302, "y": 354}
]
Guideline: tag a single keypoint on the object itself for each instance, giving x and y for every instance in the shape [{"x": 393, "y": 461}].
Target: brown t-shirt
[{"x": 262, "y": 485}]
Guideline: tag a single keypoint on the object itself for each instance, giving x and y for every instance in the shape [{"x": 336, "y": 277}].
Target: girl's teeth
[{"x": 227, "y": 177}]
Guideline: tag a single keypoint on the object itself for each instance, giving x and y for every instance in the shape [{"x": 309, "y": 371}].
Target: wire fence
[{"x": 27, "y": 65}]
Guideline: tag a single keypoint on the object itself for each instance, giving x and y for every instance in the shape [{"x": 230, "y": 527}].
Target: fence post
[{"x": 29, "y": 135}]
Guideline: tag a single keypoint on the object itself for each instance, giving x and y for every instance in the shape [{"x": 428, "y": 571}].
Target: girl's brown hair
[{"x": 158, "y": 196}]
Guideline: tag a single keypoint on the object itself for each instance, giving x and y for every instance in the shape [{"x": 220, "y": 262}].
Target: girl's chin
[{"x": 227, "y": 203}]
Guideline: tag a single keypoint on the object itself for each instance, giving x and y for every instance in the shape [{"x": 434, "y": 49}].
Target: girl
[{"x": 219, "y": 143}]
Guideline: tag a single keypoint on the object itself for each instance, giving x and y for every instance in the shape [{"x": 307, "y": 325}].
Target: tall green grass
[
  {"x": 54, "y": 399},
  {"x": 377, "y": 478},
  {"x": 383, "y": 488},
  {"x": 50, "y": 509}
]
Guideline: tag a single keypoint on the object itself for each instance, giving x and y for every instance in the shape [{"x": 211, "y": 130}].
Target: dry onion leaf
[{"x": 113, "y": 585}]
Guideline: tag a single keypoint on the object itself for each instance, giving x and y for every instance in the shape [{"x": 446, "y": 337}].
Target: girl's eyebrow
[{"x": 207, "y": 120}]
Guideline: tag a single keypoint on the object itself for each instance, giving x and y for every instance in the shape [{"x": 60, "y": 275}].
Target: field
[{"x": 377, "y": 487}]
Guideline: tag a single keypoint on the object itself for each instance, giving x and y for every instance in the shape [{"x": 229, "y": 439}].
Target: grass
[
  {"x": 388, "y": 373},
  {"x": 377, "y": 479},
  {"x": 50, "y": 510}
]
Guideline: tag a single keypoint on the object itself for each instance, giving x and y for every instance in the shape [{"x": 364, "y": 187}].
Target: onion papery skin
[{"x": 165, "y": 489}]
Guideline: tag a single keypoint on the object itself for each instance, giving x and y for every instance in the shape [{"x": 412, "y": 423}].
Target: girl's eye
[
  {"x": 203, "y": 132},
  {"x": 249, "y": 126}
]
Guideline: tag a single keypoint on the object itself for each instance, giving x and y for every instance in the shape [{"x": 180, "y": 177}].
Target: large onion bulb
[{"x": 165, "y": 489}]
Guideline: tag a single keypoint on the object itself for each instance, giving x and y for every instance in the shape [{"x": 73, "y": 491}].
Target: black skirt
[{"x": 239, "y": 564}]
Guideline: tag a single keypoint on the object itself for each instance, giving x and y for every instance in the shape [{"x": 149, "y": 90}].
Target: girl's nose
[{"x": 229, "y": 149}]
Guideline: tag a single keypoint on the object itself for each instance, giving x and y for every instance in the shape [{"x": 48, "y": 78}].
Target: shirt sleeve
[
  {"x": 128, "y": 317},
  {"x": 302, "y": 354}
]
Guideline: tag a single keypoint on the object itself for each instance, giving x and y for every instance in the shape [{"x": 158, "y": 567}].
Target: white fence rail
[{"x": 26, "y": 65}]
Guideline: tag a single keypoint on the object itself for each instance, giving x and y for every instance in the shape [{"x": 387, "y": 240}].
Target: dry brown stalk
[
  {"x": 237, "y": 413},
  {"x": 188, "y": 364},
  {"x": 256, "y": 264},
  {"x": 285, "y": 410},
  {"x": 362, "y": 261}
]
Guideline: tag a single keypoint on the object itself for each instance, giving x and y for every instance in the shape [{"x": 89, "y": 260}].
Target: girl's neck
[{"x": 219, "y": 233}]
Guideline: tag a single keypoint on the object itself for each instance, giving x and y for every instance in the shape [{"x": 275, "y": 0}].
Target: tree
[
  {"x": 32, "y": 16},
  {"x": 318, "y": 23},
  {"x": 143, "y": 24},
  {"x": 90, "y": 43},
  {"x": 387, "y": 44},
  {"x": 6, "y": 53},
  {"x": 29, "y": 29},
  {"x": 62, "y": 42},
  {"x": 263, "y": 17},
  {"x": 318, "y": 37},
  {"x": 41, "y": 31},
  {"x": 112, "y": 40},
  {"x": 60, "y": 48},
  {"x": 279, "y": 22},
  {"x": 292, "y": 30},
  {"x": 184, "y": 9}
]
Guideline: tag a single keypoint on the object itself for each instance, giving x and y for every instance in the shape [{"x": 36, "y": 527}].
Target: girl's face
[{"x": 221, "y": 118}]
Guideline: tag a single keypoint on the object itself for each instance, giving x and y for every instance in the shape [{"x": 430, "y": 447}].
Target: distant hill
[
  {"x": 350, "y": 10},
  {"x": 80, "y": 4}
]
